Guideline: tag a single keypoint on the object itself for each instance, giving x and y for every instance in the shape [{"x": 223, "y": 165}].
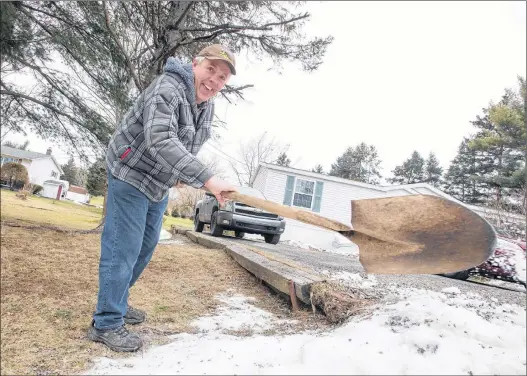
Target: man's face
[{"x": 210, "y": 76}]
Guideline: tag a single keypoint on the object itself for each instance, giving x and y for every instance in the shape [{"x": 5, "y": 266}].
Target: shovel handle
[{"x": 287, "y": 211}]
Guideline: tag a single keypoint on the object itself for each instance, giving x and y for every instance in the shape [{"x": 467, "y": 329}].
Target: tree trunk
[{"x": 500, "y": 166}]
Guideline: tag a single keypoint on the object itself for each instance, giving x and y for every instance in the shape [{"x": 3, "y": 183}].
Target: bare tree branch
[
  {"x": 126, "y": 57},
  {"x": 73, "y": 55},
  {"x": 34, "y": 100},
  {"x": 251, "y": 154},
  {"x": 139, "y": 31},
  {"x": 226, "y": 26}
]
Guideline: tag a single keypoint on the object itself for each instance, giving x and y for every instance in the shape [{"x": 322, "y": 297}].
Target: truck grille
[{"x": 254, "y": 214}]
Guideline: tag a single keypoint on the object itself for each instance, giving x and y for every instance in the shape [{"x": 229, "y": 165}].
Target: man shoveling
[{"x": 153, "y": 148}]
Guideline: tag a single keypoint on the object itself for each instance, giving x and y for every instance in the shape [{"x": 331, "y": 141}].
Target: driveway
[{"x": 347, "y": 267}]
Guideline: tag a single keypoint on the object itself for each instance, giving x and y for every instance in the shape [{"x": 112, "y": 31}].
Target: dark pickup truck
[{"x": 238, "y": 217}]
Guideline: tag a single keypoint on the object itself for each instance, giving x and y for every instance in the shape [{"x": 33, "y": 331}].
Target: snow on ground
[
  {"x": 352, "y": 279},
  {"x": 501, "y": 283},
  {"x": 237, "y": 314},
  {"x": 299, "y": 244},
  {"x": 414, "y": 332}
]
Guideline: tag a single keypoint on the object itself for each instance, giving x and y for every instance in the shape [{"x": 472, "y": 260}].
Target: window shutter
[
  {"x": 318, "y": 196},
  {"x": 288, "y": 195}
]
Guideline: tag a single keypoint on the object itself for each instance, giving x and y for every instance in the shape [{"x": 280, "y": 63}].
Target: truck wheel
[
  {"x": 215, "y": 228},
  {"x": 239, "y": 234},
  {"x": 198, "y": 225},
  {"x": 272, "y": 239}
]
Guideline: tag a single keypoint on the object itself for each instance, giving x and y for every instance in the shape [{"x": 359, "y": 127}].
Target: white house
[
  {"x": 40, "y": 167},
  {"x": 78, "y": 194},
  {"x": 55, "y": 189},
  {"x": 331, "y": 197}
]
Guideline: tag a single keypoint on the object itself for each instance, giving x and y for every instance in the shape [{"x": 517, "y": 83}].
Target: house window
[
  {"x": 54, "y": 174},
  {"x": 7, "y": 159},
  {"x": 303, "y": 194}
]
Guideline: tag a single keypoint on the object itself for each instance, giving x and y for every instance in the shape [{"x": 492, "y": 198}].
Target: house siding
[
  {"x": 259, "y": 181},
  {"x": 41, "y": 170},
  {"x": 50, "y": 191},
  {"x": 336, "y": 200},
  {"x": 274, "y": 185},
  {"x": 79, "y": 197}
]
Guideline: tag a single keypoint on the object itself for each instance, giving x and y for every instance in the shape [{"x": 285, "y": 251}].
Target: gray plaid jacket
[{"x": 157, "y": 141}]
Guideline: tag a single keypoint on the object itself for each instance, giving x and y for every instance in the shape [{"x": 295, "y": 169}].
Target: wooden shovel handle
[{"x": 287, "y": 211}]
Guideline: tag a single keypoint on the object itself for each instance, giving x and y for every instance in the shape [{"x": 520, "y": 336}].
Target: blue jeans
[{"x": 130, "y": 235}]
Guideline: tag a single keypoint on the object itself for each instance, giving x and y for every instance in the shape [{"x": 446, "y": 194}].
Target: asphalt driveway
[{"x": 330, "y": 263}]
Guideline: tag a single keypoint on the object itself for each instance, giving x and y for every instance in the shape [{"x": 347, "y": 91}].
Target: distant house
[
  {"x": 40, "y": 167},
  {"x": 77, "y": 194},
  {"x": 331, "y": 196}
]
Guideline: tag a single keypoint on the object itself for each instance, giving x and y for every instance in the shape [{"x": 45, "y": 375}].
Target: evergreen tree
[
  {"x": 318, "y": 169},
  {"x": 16, "y": 146},
  {"x": 463, "y": 177},
  {"x": 433, "y": 171},
  {"x": 502, "y": 138},
  {"x": 96, "y": 179},
  {"x": 411, "y": 171},
  {"x": 70, "y": 172},
  {"x": 360, "y": 163},
  {"x": 283, "y": 160}
]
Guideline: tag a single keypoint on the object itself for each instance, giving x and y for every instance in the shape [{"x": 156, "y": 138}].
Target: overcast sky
[{"x": 402, "y": 76}]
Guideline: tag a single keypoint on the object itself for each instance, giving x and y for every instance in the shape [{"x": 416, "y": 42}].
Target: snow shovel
[{"x": 415, "y": 234}]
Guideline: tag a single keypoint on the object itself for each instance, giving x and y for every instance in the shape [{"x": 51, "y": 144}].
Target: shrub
[
  {"x": 175, "y": 212},
  {"x": 37, "y": 188},
  {"x": 15, "y": 174}
]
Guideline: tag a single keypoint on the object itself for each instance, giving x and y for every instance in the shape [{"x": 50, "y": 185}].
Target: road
[{"x": 324, "y": 262}]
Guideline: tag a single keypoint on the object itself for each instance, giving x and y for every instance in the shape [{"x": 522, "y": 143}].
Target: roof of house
[
  {"x": 27, "y": 154},
  {"x": 379, "y": 188},
  {"x": 320, "y": 176},
  {"x": 411, "y": 188},
  {"x": 64, "y": 183},
  {"x": 77, "y": 189}
]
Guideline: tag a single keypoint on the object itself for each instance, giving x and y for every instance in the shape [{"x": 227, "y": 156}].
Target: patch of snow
[
  {"x": 253, "y": 237},
  {"x": 75, "y": 202},
  {"x": 172, "y": 241},
  {"x": 347, "y": 250},
  {"x": 519, "y": 262},
  {"x": 424, "y": 332},
  {"x": 451, "y": 290},
  {"x": 237, "y": 313},
  {"x": 299, "y": 244},
  {"x": 317, "y": 238},
  {"x": 506, "y": 284},
  {"x": 352, "y": 279},
  {"x": 164, "y": 235}
]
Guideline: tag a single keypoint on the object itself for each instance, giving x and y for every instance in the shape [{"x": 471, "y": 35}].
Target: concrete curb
[{"x": 284, "y": 278}]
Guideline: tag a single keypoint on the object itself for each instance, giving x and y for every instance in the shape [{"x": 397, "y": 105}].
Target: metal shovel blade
[
  {"x": 415, "y": 234},
  {"x": 419, "y": 234}
]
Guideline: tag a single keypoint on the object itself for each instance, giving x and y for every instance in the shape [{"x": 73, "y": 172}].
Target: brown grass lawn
[
  {"x": 62, "y": 213},
  {"x": 49, "y": 285}
]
